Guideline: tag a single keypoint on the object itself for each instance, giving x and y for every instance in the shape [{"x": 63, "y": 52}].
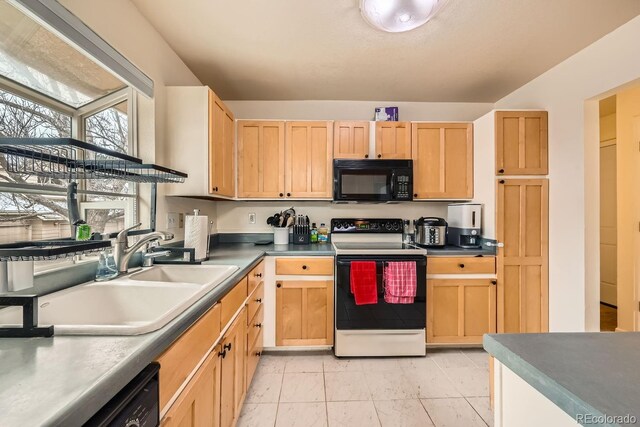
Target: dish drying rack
[{"x": 71, "y": 159}]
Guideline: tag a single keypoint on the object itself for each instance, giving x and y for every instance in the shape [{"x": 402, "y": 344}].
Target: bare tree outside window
[{"x": 20, "y": 211}]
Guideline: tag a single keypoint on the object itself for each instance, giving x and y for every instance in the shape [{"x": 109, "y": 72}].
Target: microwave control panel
[{"x": 403, "y": 188}]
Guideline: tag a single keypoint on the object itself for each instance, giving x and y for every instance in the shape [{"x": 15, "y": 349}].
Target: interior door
[{"x": 523, "y": 278}]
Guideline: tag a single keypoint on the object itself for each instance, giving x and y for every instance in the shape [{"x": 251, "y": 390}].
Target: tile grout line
[
  {"x": 425, "y": 410},
  {"x": 476, "y": 411},
  {"x": 324, "y": 382}
]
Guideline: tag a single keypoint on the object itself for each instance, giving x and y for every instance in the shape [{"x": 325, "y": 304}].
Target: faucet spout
[{"x": 122, "y": 252}]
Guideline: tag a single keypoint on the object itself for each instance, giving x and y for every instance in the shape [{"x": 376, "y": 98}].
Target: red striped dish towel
[
  {"x": 364, "y": 283},
  {"x": 400, "y": 282}
]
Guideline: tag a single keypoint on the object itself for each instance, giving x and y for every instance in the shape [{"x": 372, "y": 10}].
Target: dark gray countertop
[
  {"x": 582, "y": 373},
  {"x": 64, "y": 380}
]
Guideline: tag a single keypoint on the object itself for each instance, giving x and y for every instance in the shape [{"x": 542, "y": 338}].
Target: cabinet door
[
  {"x": 523, "y": 263},
  {"x": 261, "y": 159},
  {"x": 442, "y": 160},
  {"x": 221, "y": 148},
  {"x": 233, "y": 353},
  {"x": 521, "y": 143},
  {"x": 198, "y": 404},
  {"x": 304, "y": 313},
  {"x": 309, "y": 159},
  {"x": 393, "y": 140},
  {"x": 350, "y": 140},
  {"x": 460, "y": 310}
]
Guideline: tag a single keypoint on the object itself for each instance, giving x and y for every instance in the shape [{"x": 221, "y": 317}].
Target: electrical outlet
[
  {"x": 172, "y": 220},
  {"x": 181, "y": 220},
  {"x": 252, "y": 218}
]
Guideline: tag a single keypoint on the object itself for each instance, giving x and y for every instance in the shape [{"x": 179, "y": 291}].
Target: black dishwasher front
[{"x": 136, "y": 405}]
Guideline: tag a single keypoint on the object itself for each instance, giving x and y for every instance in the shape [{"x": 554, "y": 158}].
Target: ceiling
[{"x": 472, "y": 51}]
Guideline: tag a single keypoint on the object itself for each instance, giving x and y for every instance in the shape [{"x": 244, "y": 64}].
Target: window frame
[{"x": 128, "y": 202}]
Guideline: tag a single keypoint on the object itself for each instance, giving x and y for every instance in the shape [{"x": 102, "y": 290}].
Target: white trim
[{"x": 127, "y": 205}]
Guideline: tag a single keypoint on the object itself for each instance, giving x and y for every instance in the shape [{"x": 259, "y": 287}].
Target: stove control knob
[
  {"x": 388, "y": 226},
  {"x": 396, "y": 226}
]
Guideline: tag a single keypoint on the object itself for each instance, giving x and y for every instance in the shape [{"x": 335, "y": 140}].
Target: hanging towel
[
  {"x": 364, "y": 283},
  {"x": 400, "y": 282}
]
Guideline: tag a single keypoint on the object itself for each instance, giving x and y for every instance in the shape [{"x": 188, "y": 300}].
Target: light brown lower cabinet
[
  {"x": 304, "y": 312},
  {"x": 199, "y": 403},
  {"x": 232, "y": 383},
  {"x": 460, "y": 310}
]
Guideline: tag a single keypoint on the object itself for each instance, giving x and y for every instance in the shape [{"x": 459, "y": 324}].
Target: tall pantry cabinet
[{"x": 522, "y": 221}]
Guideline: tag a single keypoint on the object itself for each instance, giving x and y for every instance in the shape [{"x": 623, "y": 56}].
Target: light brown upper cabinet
[
  {"x": 350, "y": 140},
  {"x": 200, "y": 133},
  {"x": 442, "y": 160},
  {"x": 522, "y": 222},
  {"x": 522, "y": 143},
  {"x": 393, "y": 140},
  {"x": 222, "y": 173},
  {"x": 261, "y": 159},
  {"x": 309, "y": 159}
]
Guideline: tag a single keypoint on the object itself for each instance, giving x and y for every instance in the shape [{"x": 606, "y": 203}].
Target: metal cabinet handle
[
  {"x": 258, "y": 274},
  {"x": 258, "y": 353},
  {"x": 461, "y": 265},
  {"x": 227, "y": 347},
  {"x": 288, "y": 194},
  {"x": 494, "y": 282},
  {"x": 258, "y": 300},
  {"x": 258, "y": 325},
  {"x": 281, "y": 194},
  {"x": 278, "y": 285},
  {"x": 379, "y": 156},
  {"x": 366, "y": 156},
  {"x": 304, "y": 267},
  {"x": 222, "y": 354},
  {"x": 501, "y": 181},
  {"x": 500, "y": 170}
]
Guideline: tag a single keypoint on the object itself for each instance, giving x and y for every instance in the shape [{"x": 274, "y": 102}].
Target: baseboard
[{"x": 621, "y": 330}]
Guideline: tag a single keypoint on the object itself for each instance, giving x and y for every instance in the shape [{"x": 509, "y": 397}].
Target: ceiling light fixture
[{"x": 395, "y": 16}]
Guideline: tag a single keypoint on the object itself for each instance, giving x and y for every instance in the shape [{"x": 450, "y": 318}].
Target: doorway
[{"x": 608, "y": 216}]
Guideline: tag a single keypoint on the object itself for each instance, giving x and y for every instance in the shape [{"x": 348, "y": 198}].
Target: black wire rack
[
  {"x": 49, "y": 250},
  {"x": 71, "y": 159}
]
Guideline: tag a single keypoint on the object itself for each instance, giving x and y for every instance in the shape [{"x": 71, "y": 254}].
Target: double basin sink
[{"x": 136, "y": 304}]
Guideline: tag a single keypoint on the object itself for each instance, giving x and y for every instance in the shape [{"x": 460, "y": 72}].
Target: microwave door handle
[{"x": 393, "y": 185}]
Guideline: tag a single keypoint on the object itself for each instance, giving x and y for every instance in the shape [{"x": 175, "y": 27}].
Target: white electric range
[{"x": 380, "y": 329}]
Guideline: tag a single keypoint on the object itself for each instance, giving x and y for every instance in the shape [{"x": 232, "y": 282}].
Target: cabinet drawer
[
  {"x": 461, "y": 265},
  {"x": 255, "y": 301},
  {"x": 305, "y": 266},
  {"x": 253, "y": 357},
  {"x": 232, "y": 302},
  {"x": 254, "y": 326},
  {"x": 179, "y": 360},
  {"x": 255, "y": 277}
]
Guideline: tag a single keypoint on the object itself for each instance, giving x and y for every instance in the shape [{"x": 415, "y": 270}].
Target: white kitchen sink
[
  {"x": 200, "y": 274},
  {"x": 134, "y": 305}
]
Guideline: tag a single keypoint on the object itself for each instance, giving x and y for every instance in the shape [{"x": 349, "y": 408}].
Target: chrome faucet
[{"x": 122, "y": 252}]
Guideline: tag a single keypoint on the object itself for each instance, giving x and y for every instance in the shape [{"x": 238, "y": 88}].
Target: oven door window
[
  {"x": 381, "y": 315},
  {"x": 365, "y": 185}
]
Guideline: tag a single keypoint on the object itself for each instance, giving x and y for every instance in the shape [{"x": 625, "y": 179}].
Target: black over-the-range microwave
[{"x": 372, "y": 180}]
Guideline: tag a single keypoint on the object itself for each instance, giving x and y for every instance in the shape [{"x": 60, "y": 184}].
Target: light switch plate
[{"x": 252, "y": 218}]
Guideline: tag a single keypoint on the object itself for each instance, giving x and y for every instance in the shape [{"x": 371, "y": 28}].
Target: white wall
[
  {"x": 594, "y": 72},
  {"x": 120, "y": 23}
]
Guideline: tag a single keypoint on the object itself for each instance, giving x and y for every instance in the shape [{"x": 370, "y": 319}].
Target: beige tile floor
[{"x": 448, "y": 388}]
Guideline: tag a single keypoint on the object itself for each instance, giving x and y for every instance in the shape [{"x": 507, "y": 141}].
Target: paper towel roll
[{"x": 196, "y": 234}]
